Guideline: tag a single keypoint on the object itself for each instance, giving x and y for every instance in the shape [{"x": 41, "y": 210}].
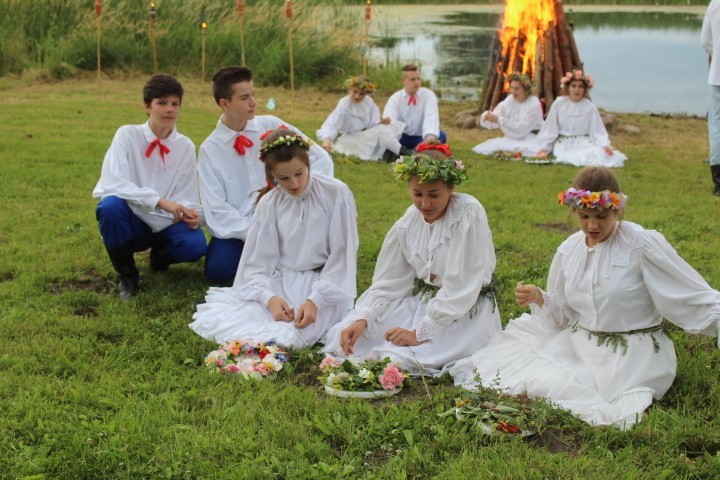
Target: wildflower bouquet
[
  {"x": 374, "y": 377},
  {"x": 247, "y": 359},
  {"x": 518, "y": 156},
  {"x": 496, "y": 413}
]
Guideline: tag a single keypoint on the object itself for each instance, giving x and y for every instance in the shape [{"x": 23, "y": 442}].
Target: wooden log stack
[{"x": 555, "y": 54}]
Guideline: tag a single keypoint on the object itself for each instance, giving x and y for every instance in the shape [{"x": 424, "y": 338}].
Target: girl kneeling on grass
[
  {"x": 574, "y": 130},
  {"x": 594, "y": 342},
  {"x": 519, "y": 117},
  {"x": 297, "y": 275},
  {"x": 356, "y": 120},
  {"x": 430, "y": 302}
]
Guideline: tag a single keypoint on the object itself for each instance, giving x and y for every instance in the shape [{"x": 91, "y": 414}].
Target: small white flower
[{"x": 364, "y": 373}]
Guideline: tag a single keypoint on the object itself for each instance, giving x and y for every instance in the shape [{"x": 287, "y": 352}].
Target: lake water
[{"x": 642, "y": 61}]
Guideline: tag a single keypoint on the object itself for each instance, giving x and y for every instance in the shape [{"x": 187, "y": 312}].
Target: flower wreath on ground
[
  {"x": 247, "y": 359},
  {"x": 495, "y": 412},
  {"x": 369, "y": 375},
  {"x": 509, "y": 155}
]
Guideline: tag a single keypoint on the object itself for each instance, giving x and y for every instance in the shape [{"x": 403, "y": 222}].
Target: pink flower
[
  {"x": 329, "y": 362},
  {"x": 578, "y": 74},
  {"x": 391, "y": 377}
]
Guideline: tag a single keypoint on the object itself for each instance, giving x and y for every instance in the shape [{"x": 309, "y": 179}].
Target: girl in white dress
[
  {"x": 356, "y": 120},
  {"x": 431, "y": 300},
  {"x": 519, "y": 117},
  {"x": 296, "y": 277},
  {"x": 573, "y": 129},
  {"x": 594, "y": 342}
]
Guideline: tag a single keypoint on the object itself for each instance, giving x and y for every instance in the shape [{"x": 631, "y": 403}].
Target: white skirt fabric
[
  {"x": 527, "y": 146},
  {"x": 597, "y": 384},
  {"x": 369, "y": 144},
  {"x": 454, "y": 341},
  {"x": 581, "y": 152},
  {"x": 225, "y": 317}
]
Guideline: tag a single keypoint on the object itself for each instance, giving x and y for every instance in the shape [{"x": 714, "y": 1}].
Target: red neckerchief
[{"x": 162, "y": 148}]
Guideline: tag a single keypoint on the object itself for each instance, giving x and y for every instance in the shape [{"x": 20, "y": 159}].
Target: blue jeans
[
  {"x": 119, "y": 226},
  {"x": 222, "y": 259},
  {"x": 412, "y": 141},
  {"x": 714, "y": 124}
]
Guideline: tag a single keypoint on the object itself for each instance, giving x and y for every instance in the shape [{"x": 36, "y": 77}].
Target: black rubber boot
[
  {"x": 406, "y": 152},
  {"x": 123, "y": 261},
  {"x": 715, "y": 170},
  {"x": 160, "y": 259}
]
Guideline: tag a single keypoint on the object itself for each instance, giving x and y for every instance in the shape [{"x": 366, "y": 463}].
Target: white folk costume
[
  {"x": 596, "y": 346},
  {"x": 419, "y": 112},
  {"x": 576, "y": 135},
  {"x": 519, "y": 121},
  {"x": 229, "y": 180},
  {"x": 302, "y": 248},
  {"x": 359, "y": 128},
  {"x": 454, "y": 257},
  {"x": 142, "y": 171}
]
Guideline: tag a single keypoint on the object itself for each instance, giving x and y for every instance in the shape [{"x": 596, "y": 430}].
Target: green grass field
[{"x": 95, "y": 388}]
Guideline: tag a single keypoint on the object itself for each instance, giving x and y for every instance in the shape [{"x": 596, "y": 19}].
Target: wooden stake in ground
[
  {"x": 203, "y": 34},
  {"x": 98, "y": 13},
  {"x": 289, "y": 15},
  {"x": 366, "y": 35},
  {"x": 153, "y": 35},
  {"x": 241, "y": 21}
]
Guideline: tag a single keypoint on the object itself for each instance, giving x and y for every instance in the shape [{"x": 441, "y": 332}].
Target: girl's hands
[
  {"x": 280, "y": 310},
  {"x": 527, "y": 294},
  {"x": 350, "y": 334},
  {"x": 307, "y": 314},
  {"x": 402, "y": 337}
]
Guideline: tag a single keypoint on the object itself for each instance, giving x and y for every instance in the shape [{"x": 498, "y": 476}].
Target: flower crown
[
  {"x": 587, "y": 199},
  {"x": 576, "y": 74},
  {"x": 522, "y": 78},
  {"x": 285, "y": 141},
  {"x": 363, "y": 83},
  {"x": 430, "y": 170}
]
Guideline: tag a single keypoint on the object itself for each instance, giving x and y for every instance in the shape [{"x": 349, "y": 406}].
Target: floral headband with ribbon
[
  {"x": 429, "y": 169},
  {"x": 579, "y": 198}
]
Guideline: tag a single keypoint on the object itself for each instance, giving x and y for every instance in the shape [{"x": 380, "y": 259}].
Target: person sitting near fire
[
  {"x": 594, "y": 342},
  {"x": 519, "y": 117},
  {"x": 431, "y": 300},
  {"x": 574, "y": 130},
  {"x": 417, "y": 108},
  {"x": 356, "y": 120}
]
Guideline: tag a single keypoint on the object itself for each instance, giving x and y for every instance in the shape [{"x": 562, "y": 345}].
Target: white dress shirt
[
  {"x": 142, "y": 181},
  {"x": 229, "y": 181},
  {"x": 421, "y": 119}
]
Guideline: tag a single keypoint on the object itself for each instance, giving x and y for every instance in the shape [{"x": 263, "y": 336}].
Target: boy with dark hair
[
  {"x": 417, "y": 108},
  {"x": 148, "y": 190},
  {"x": 231, "y": 173}
]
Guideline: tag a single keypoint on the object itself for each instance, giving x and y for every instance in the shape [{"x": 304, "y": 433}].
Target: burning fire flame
[{"x": 524, "y": 23}]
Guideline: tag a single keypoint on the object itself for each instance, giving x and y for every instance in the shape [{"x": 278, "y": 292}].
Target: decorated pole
[
  {"x": 366, "y": 39},
  {"x": 153, "y": 35},
  {"x": 98, "y": 12},
  {"x": 203, "y": 34},
  {"x": 241, "y": 20},
  {"x": 289, "y": 15}
]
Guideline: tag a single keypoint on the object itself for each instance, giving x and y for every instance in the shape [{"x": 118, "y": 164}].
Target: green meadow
[{"x": 92, "y": 387}]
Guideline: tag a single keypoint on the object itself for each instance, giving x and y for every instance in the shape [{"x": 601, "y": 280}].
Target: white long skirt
[
  {"x": 454, "y": 341},
  {"x": 225, "y": 317},
  {"x": 597, "y": 384},
  {"x": 581, "y": 152},
  {"x": 526, "y": 146},
  {"x": 369, "y": 144}
]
